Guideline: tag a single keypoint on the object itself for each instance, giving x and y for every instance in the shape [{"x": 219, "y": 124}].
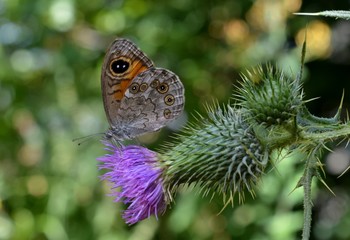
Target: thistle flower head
[
  {"x": 270, "y": 96},
  {"x": 135, "y": 170}
]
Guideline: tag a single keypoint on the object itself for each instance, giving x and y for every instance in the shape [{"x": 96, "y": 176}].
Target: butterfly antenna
[{"x": 85, "y": 139}]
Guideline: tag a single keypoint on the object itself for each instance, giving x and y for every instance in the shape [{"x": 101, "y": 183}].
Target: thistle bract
[{"x": 270, "y": 97}]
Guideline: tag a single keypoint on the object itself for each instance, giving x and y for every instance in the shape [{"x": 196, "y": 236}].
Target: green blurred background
[{"x": 51, "y": 53}]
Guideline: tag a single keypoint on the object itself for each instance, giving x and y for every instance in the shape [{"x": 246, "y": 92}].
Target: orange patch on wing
[
  {"x": 136, "y": 68},
  {"x": 118, "y": 96}
]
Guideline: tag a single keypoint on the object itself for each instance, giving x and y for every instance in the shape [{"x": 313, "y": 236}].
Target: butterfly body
[{"x": 138, "y": 97}]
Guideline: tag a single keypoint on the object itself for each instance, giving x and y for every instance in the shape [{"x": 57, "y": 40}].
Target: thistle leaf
[{"x": 334, "y": 13}]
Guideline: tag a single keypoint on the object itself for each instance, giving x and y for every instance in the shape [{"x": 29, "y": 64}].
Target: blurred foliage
[{"x": 51, "y": 53}]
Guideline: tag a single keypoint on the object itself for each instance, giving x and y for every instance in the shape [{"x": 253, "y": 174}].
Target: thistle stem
[
  {"x": 307, "y": 181},
  {"x": 309, "y": 173},
  {"x": 325, "y": 133},
  {"x": 319, "y": 129}
]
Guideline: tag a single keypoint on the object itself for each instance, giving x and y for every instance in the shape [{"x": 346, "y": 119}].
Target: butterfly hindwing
[{"x": 154, "y": 98}]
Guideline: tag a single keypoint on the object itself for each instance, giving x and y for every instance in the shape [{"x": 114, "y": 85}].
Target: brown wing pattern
[{"x": 122, "y": 63}]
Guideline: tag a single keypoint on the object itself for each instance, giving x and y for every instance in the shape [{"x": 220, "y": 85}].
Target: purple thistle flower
[{"x": 136, "y": 171}]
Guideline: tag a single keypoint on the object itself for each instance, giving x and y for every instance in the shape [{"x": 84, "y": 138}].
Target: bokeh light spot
[
  {"x": 62, "y": 15},
  {"x": 112, "y": 22},
  {"x": 37, "y": 185},
  {"x": 9, "y": 33},
  {"x": 236, "y": 31},
  {"x": 22, "y": 61},
  {"x": 30, "y": 154},
  {"x": 337, "y": 161},
  {"x": 6, "y": 227},
  {"x": 244, "y": 215},
  {"x": 24, "y": 222},
  {"x": 292, "y": 5}
]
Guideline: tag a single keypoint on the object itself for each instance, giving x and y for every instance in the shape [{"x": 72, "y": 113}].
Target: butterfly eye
[
  {"x": 143, "y": 87},
  {"x": 167, "y": 113},
  {"x": 134, "y": 88},
  {"x": 119, "y": 66},
  {"x": 154, "y": 83},
  {"x": 163, "y": 88},
  {"x": 169, "y": 100}
]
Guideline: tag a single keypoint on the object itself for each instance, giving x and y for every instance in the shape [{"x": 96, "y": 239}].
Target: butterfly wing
[
  {"x": 122, "y": 63},
  {"x": 153, "y": 99}
]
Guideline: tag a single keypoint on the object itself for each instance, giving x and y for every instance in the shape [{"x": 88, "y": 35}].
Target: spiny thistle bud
[
  {"x": 221, "y": 154},
  {"x": 271, "y": 97}
]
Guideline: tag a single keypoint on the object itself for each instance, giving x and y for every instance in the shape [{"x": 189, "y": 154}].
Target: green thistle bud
[
  {"x": 221, "y": 154},
  {"x": 271, "y": 97}
]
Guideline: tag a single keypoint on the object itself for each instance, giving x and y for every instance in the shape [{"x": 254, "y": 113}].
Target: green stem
[
  {"x": 307, "y": 181},
  {"x": 326, "y": 133},
  {"x": 309, "y": 173},
  {"x": 319, "y": 129}
]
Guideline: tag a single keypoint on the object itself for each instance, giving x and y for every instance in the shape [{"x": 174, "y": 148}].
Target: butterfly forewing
[{"x": 122, "y": 63}]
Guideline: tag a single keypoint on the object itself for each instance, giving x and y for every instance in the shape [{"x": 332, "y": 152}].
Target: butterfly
[{"x": 137, "y": 96}]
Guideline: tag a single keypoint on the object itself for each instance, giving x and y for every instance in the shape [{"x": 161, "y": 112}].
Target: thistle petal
[{"x": 134, "y": 170}]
